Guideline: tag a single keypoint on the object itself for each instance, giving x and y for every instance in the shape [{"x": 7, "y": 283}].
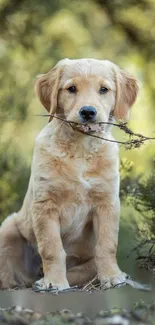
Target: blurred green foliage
[
  {"x": 34, "y": 35},
  {"x": 13, "y": 179},
  {"x": 140, "y": 193}
]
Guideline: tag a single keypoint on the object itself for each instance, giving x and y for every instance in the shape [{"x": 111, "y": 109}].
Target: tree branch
[{"x": 81, "y": 127}]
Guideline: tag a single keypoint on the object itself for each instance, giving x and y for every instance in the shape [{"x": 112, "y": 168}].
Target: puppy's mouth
[{"x": 90, "y": 127}]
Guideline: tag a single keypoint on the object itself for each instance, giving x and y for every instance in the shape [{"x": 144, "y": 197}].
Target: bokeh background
[{"x": 34, "y": 35}]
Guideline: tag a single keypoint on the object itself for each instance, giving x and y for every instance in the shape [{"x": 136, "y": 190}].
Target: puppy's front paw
[
  {"x": 47, "y": 284},
  {"x": 111, "y": 281}
]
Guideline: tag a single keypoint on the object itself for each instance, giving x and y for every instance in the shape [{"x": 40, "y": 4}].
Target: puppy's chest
[
  {"x": 85, "y": 185},
  {"x": 81, "y": 183},
  {"x": 86, "y": 172}
]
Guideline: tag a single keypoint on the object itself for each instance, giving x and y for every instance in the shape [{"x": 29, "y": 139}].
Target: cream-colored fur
[{"x": 70, "y": 215}]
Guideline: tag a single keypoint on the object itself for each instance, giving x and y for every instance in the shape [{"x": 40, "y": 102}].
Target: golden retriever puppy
[{"x": 67, "y": 229}]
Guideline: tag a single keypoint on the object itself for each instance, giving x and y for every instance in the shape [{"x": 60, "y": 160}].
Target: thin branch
[{"x": 133, "y": 143}]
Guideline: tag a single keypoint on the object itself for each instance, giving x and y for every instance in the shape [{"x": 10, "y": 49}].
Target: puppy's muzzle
[{"x": 87, "y": 113}]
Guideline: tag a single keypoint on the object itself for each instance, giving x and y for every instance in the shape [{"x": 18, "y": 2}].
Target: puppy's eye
[
  {"x": 72, "y": 89},
  {"x": 103, "y": 90}
]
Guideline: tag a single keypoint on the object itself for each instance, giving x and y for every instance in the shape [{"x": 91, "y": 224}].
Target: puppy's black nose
[{"x": 87, "y": 113}]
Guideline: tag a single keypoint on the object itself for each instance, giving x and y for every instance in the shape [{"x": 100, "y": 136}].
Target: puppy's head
[{"x": 87, "y": 90}]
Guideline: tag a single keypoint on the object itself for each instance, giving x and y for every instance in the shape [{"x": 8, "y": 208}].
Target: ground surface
[{"x": 141, "y": 313}]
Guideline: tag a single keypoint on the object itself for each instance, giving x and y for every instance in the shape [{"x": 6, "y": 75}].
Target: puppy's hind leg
[
  {"x": 14, "y": 254},
  {"x": 81, "y": 274}
]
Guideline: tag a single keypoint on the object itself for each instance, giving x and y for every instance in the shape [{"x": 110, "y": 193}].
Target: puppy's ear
[
  {"x": 126, "y": 93},
  {"x": 47, "y": 87}
]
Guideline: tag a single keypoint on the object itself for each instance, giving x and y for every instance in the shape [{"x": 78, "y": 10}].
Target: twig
[
  {"x": 133, "y": 143},
  {"x": 90, "y": 283}
]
